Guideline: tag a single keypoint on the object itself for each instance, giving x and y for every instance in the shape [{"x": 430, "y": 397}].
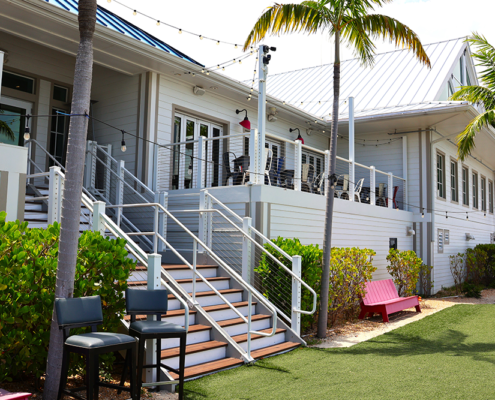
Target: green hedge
[
  {"x": 28, "y": 266},
  {"x": 405, "y": 268}
]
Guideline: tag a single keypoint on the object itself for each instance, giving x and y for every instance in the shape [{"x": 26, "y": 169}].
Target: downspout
[{"x": 433, "y": 199}]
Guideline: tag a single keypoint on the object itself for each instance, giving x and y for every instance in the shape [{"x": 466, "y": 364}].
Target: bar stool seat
[
  {"x": 98, "y": 339},
  {"x": 148, "y": 327}
]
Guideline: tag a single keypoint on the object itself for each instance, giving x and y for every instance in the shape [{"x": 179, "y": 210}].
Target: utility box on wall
[{"x": 13, "y": 166}]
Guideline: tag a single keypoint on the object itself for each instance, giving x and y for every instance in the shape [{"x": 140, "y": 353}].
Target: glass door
[
  {"x": 58, "y": 136},
  {"x": 12, "y": 113}
]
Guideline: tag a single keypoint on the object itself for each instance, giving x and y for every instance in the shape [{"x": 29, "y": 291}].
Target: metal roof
[
  {"x": 110, "y": 20},
  {"x": 397, "y": 80}
]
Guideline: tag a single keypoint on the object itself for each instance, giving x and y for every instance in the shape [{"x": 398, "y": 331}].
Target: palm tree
[
  {"x": 349, "y": 22},
  {"x": 71, "y": 202},
  {"x": 5, "y": 129},
  {"x": 482, "y": 95}
]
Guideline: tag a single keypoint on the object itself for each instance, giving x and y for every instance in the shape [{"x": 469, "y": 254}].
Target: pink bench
[
  {"x": 4, "y": 395},
  {"x": 381, "y": 297}
]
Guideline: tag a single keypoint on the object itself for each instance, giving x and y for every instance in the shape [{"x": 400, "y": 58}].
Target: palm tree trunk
[
  {"x": 327, "y": 238},
  {"x": 71, "y": 203}
]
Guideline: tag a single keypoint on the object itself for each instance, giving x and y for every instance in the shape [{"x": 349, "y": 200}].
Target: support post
[
  {"x": 404, "y": 173},
  {"x": 199, "y": 171},
  {"x": 108, "y": 168},
  {"x": 352, "y": 166},
  {"x": 246, "y": 250},
  {"x": 162, "y": 199},
  {"x": 97, "y": 223},
  {"x": 296, "y": 295},
  {"x": 298, "y": 165},
  {"x": 209, "y": 225},
  {"x": 253, "y": 157},
  {"x": 154, "y": 283},
  {"x": 55, "y": 190},
  {"x": 120, "y": 190},
  {"x": 88, "y": 165},
  {"x": 327, "y": 168},
  {"x": 372, "y": 185},
  {"x": 262, "y": 73},
  {"x": 390, "y": 189},
  {"x": 2, "y": 56},
  {"x": 203, "y": 219}
]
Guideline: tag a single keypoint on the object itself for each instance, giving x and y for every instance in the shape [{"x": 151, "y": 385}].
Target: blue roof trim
[{"x": 110, "y": 20}]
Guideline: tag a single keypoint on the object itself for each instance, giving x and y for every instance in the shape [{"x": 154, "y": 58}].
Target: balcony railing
[{"x": 236, "y": 160}]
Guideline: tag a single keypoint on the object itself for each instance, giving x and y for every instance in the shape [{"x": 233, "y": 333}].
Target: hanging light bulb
[
  {"x": 484, "y": 215},
  {"x": 283, "y": 103},
  {"x": 201, "y": 37},
  {"x": 218, "y": 42},
  {"x": 134, "y": 13},
  {"x": 158, "y": 23},
  {"x": 236, "y": 46},
  {"x": 218, "y": 65},
  {"x": 446, "y": 215},
  {"x": 249, "y": 98},
  {"x": 467, "y": 216},
  {"x": 240, "y": 61},
  {"x": 422, "y": 213},
  {"x": 26, "y": 128},
  {"x": 123, "y": 147},
  {"x": 223, "y": 68},
  {"x": 180, "y": 31},
  {"x": 203, "y": 71},
  {"x": 207, "y": 72},
  {"x": 252, "y": 90},
  {"x": 109, "y": 1}
]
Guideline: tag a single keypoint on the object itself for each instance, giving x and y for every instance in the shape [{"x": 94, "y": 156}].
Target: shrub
[
  {"x": 458, "y": 270},
  {"x": 490, "y": 266},
  {"x": 350, "y": 268},
  {"x": 28, "y": 264},
  {"x": 476, "y": 262},
  {"x": 471, "y": 290},
  {"x": 424, "y": 280},
  {"x": 404, "y": 268}
]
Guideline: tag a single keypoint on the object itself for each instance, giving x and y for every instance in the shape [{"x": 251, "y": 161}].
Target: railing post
[
  {"x": 246, "y": 250},
  {"x": 155, "y": 228},
  {"x": 390, "y": 189},
  {"x": 203, "y": 219},
  {"x": 98, "y": 211},
  {"x": 199, "y": 172},
  {"x": 162, "y": 199},
  {"x": 372, "y": 185},
  {"x": 296, "y": 294},
  {"x": 154, "y": 283},
  {"x": 28, "y": 166},
  {"x": 55, "y": 190},
  {"x": 119, "y": 190},
  {"x": 253, "y": 157},
  {"x": 352, "y": 180},
  {"x": 298, "y": 165},
  {"x": 93, "y": 167},
  {"x": 327, "y": 167},
  {"x": 108, "y": 168},
  {"x": 195, "y": 263},
  {"x": 88, "y": 165},
  {"x": 209, "y": 225}
]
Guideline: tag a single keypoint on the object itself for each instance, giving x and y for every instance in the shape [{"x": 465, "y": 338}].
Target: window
[
  {"x": 17, "y": 82},
  {"x": 465, "y": 186},
  {"x": 58, "y": 136},
  {"x": 475, "y": 190},
  {"x": 483, "y": 194},
  {"x": 60, "y": 93},
  {"x": 454, "y": 190},
  {"x": 490, "y": 196},
  {"x": 314, "y": 160},
  {"x": 441, "y": 175}
]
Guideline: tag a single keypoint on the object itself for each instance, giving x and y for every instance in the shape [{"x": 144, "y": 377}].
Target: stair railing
[
  {"x": 198, "y": 243},
  {"x": 257, "y": 249}
]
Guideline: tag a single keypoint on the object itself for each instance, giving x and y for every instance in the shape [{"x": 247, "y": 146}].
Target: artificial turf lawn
[{"x": 447, "y": 355}]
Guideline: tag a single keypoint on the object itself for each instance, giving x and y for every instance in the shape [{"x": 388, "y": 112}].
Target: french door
[
  {"x": 187, "y": 130},
  {"x": 12, "y": 113}
]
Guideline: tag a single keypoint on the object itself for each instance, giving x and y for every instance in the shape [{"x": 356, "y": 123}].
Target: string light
[
  {"x": 158, "y": 23},
  {"x": 235, "y": 46},
  {"x": 446, "y": 215},
  {"x": 134, "y": 13},
  {"x": 218, "y": 42},
  {"x": 26, "y": 129},
  {"x": 484, "y": 215},
  {"x": 201, "y": 37},
  {"x": 467, "y": 216},
  {"x": 123, "y": 147},
  {"x": 422, "y": 213},
  {"x": 180, "y": 31}
]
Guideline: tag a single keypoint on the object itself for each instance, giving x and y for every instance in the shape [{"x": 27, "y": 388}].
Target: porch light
[
  {"x": 26, "y": 128},
  {"x": 244, "y": 123},
  {"x": 299, "y": 137},
  {"x": 123, "y": 147}
]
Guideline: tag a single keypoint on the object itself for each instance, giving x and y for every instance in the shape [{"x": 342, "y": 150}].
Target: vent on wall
[{"x": 198, "y": 91}]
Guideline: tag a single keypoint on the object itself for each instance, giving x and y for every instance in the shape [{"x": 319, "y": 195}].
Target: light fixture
[
  {"x": 245, "y": 122},
  {"x": 201, "y": 37},
  {"x": 299, "y": 137},
  {"x": 422, "y": 213},
  {"x": 469, "y": 237},
  {"x": 207, "y": 72},
  {"x": 180, "y": 31},
  {"x": 223, "y": 68},
  {"x": 123, "y": 147},
  {"x": 218, "y": 42},
  {"x": 158, "y": 23},
  {"x": 484, "y": 215},
  {"x": 26, "y": 128},
  {"x": 134, "y": 13},
  {"x": 467, "y": 216},
  {"x": 236, "y": 46}
]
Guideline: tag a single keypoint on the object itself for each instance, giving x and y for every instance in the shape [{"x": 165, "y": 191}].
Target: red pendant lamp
[
  {"x": 299, "y": 137},
  {"x": 245, "y": 122}
]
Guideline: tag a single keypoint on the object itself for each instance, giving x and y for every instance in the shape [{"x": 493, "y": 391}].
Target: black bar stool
[
  {"x": 154, "y": 302},
  {"x": 82, "y": 312}
]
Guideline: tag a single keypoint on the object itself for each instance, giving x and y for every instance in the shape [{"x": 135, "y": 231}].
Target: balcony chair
[
  {"x": 280, "y": 164},
  {"x": 320, "y": 183},
  {"x": 154, "y": 302},
  {"x": 357, "y": 190},
  {"x": 381, "y": 195},
  {"x": 228, "y": 171},
  {"x": 396, "y": 189},
  {"x": 345, "y": 186},
  {"x": 307, "y": 178},
  {"x": 83, "y": 312}
]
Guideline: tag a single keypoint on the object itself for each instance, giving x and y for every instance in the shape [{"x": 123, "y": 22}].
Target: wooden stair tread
[
  {"x": 226, "y": 306},
  {"x": 243, "y": 337},
  {"x": 137, "y": 283},
  {"x": 170, "y": 267},
  {"x": 278, "y": 348},
  {"x": 221, "y": 291},
  {"x": 193, "y": 348},
  {"x": 170, "y": 313},
  {"x": 209, "y": 367},
  {"x": 213, "y": 279},
  {"x": 237, "y": 321}
]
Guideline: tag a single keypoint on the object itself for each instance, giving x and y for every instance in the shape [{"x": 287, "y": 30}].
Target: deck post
[
  {"x": 296, "y": 295},
  {"x": 154, "y": 283},
  {"x": 253, "y": 157},
  {"x": 352, "y": 167},
  {"x": 108, "y": 168},
  {"x": 119, "y": 190},
  {"x": 327, "y": 166},
  {"x": 246, "y": 250},
  {"x": 55, "y": 190},
  {"x": 200, "y": 184},
  {"x": 298, "y": 165},
  {"x": 390, "y": 189},
  {"x": 97, "y": 223},
  {"x": 372, "y": 185},
  {"x": 404, "y": 173},
  {"x": 203, "y": 221},
  {"x": 88, "y": 170},
  {"x": 161, "y": 198}
]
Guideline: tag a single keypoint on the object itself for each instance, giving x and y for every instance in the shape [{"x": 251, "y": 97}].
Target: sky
[{"x": 232, "y": 20}]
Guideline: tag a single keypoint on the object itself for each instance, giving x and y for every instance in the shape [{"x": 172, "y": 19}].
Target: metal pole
[
  {"x": 155, "y": 229},
  {"x": 263, "y": 72},
  {"x": 390, "y": 189}
]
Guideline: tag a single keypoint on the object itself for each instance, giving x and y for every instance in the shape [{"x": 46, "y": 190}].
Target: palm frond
[
  {"x": 465, "y": 140},
  {"x": 381, "y": 26},
  {"x": 485, "y": 57},
  {"x": 476, "y": 94},
  {"x": 6, "y": 130},
  {"x": 286, "y": 18}
]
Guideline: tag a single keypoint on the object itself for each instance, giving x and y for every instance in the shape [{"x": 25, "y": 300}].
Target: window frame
[
  {"x": 34, "y": 81},
  {"x": 475, "y": 189},
  {"x": 442, "y": 196},
  {"x": 465, "y": 193},
  {"x": 483, "y": 193},
  {"x": 456, "y": 180},
  {"x": 490, "y": 196}
]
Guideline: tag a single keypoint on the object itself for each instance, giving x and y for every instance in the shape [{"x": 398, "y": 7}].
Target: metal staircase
[{"x": 229, "y": 321}]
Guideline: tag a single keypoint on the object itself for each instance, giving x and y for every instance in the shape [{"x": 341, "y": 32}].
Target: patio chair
[
  {"x": 280, "y": 165},
  {"x": 83, "y": 312},
  {"x": 396, "y": 189},
  {"x": 357, "y": 190},
  {"x": 307, "y": 177},
  {"x": 345, "y": 186},
  {"x": 226, "y": 164},
  {"x": 154, "y": 302},
  {"x": 320, "y": 183},
  {"x": 381, "y": 195},
  {"x": 268, "y": 164}
]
